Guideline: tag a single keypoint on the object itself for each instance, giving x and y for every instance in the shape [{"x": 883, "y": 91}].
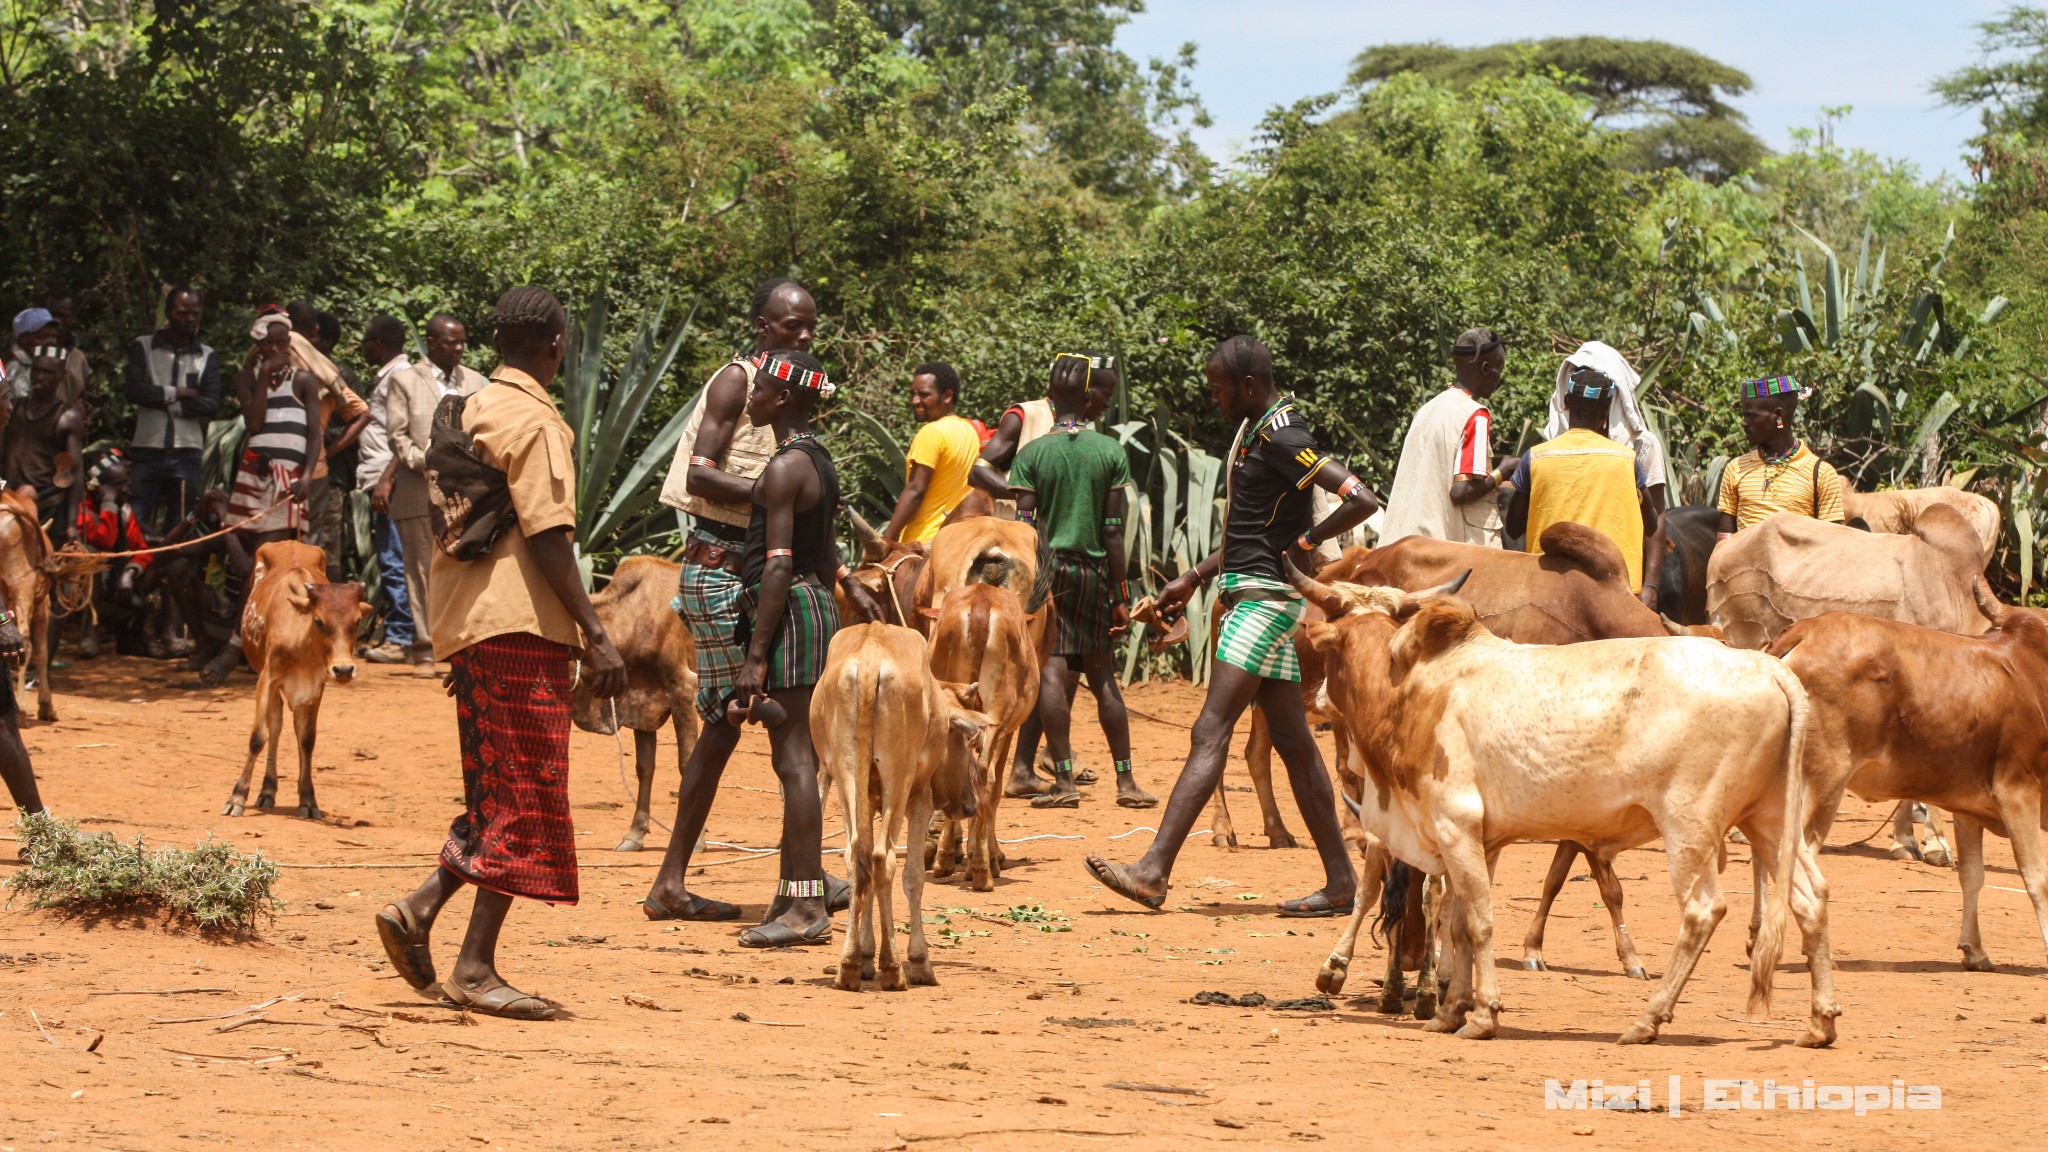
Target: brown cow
[
  {"x": 1898, "y": 510},
  {"x": 898, "y": 744},
  {"x": 661, "y": 676},
  {"x": 978, "y": 550},
  {"x": 889, "y": 570},
  {"x": 24, "y": 549},
  {"x": 1902, "y": 712},
  {"x": 983, "y": 636},
  {"x": 296, "y": 631}
]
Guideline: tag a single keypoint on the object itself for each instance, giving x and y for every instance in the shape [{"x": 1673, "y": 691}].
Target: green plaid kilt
[
  {"x": 708, "y": 600},
  {"x": 1258, "y": 635},
  {"x": 1083, "y": 600},
  {"x": 797, "y": 658}
]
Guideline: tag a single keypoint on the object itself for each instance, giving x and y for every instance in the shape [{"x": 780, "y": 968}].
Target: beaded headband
[
  {"x": 796, "y": 377},
  {"x": 1590, "y": 383},
  {"x": 1769, "y": 386}
]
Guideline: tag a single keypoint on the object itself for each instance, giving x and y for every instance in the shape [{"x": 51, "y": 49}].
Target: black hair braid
[
  {"x": 529, "y": 309},
  {"x": 1243, "y": 356},
  {"x": 764, "y": 292}
]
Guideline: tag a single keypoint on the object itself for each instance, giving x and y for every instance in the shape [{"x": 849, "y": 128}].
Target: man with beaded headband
[
  {"x": 1779, "y": 473},
  {"x": 510, "y": 623},
  {"x": 1070, "y": 483},
  {"x": 717, "y": 462},
  {"x": 1267, "y": 525}
]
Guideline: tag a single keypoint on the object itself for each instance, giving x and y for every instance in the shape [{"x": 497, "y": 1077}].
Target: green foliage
[
  {"x": 1670, "y": 102},
  {"x": 212, "y": 886},
  {"x": 2009, "y": 82}
]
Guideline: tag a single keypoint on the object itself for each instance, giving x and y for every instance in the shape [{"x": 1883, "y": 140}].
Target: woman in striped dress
[{"x": 281, "y": 411}]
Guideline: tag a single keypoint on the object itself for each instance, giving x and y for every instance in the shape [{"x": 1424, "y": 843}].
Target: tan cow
[
  {"x": 1898, "y": 512},
  {"x": 897, "y": 743},
  {"x": 24, "y": 548},
  {"x": 1908, "y": 713},
  {"x": 1470, "y": 743},
  {"x": 661, "y": 675},
  {"x": 1768, "y": 577},
  {"x": 985, "y": 637},
  {"x": 297, "y": 630},
  {"x": 979, "y": 550}
]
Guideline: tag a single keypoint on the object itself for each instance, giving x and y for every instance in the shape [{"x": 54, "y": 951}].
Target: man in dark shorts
[
  {"x": 789, "y": 568},
  {"x": 510, "y": 624},
  {"x": 1070, "y": 483},
  {"x": 15, "y": 768},
  {"x": 1272, "y": 464}
]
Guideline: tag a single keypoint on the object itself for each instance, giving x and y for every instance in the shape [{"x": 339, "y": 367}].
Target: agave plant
[
  {"x": 617, "y": 496},
  {"x": 1176, "y": 516}
]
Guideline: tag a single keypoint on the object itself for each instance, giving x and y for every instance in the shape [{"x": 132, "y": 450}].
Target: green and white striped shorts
[{"x": 1258, "y": 635}]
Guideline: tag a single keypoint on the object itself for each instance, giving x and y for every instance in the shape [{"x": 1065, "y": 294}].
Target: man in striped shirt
[
  {"x": 1779, "y": 473},
  {"x": 1446, "y": 483}
]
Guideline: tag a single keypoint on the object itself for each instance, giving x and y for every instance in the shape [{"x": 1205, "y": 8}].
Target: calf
[
  {"x": 1898, "y": 511},
  {"x": 983, "y": 636},
  {"x": 296, "y": 631},
  {"x": 1470, "y": 743},
  {"x": 661, "y": 677},
  {"x": 1908, "y": 713},
  {"x": 897, "y": 743},
  {"x": 24, "y": 549}
]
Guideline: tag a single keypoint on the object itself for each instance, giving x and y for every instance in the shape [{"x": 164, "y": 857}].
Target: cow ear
[
  {"x": 300, "y": 595},
  {"x": 928, "y": 613},
  {"x": 1322, "y": 635}
]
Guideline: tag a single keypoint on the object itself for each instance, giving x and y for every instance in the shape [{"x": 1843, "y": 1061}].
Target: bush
[{"x": 212, "y": 885}]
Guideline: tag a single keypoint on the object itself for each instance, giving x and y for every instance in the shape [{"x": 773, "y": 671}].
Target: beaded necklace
[
  {"x": 1072, "y": 427},
  {"x": 1776, "y": 465},
  {"x": 793, "y": 438}
]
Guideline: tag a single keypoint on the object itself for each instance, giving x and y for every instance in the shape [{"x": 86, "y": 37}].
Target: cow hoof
[
  {"x": 1226, "y": 841},
  {"x": 867, "y": 969},
  {"x": 1638, "y": 1034},
  {"x": 266, "y": 800},
  {"x": 1391, "y": 1004},
  {"x": 311, "y": 812},
  {"x": 1904, "y": 852},
  {"x": 46, "y": 712},
  {"x": 630, "y": 844},
  {"x": 891, "y": 980},
  {"x": 1637, "y": 973},
  {"x": 1980, "y": 962},
  {"x": 1474, "y": 1030},
  {"x": 1330, "y": 981},
  {"x": 1442, "y": 1023},
  {"x": 231, "y": 808},
  {"x": 921, "y": 973},
  {"x": 849, "y": 977},
  {"x": 1425, "y": 1007},
  {"x": 1937, "y": 855},
  {"x": 931, "y": 856},
  {"x": 1534, "y": 964},
  {"x": 1281, "y": 839},
  {"x": 1820, "y": 1032},
  {"x": 981, "y": 883}
]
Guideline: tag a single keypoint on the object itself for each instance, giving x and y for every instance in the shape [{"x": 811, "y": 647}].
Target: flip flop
[
  {"x": 1142, "y": 799},
  {"x": 1117, "y": 879},
  {"x": 1160, "y": 634},
  {"x": 406, "y": 946},
  {"x": 838, "y": 894},
  {"x": 503, "y": 1000},
  {"x": 776, "y": 934},
  {"x": 1057, "y": 800},
  {"x": 1313, "y": 906},
  {"x": 1085, "y": 776},
  {"x": 1042, "y": 789},
  {"x": 699, "y": 908}
]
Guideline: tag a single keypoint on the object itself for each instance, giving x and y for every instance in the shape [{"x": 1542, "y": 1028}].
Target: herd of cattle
[{"x": 1477, "y": 698}]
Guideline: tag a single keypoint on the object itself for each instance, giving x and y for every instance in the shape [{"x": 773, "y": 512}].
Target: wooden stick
[
  {"x": 1170, "y": 1089},
  {"x": 229, "y": 1015},
  {"x": 231, "y": 1025},
  {"x": 159, "y": 992}
]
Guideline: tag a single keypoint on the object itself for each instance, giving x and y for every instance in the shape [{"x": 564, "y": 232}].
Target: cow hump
[{"x": 1590, "y": 550}]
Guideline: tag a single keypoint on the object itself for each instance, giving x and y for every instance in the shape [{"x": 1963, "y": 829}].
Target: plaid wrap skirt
[
  {"x": 1082, "y": 599},
  {"x": 708, "y": 600},
  {"x": 1257, "y": 635},
  {"x": 796, "y": 655},
  {"x": 512, "y": 714},
  {"x": 259, "y": 483}
]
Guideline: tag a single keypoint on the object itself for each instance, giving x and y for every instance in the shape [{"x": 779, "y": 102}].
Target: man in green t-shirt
[{"x": 1070, "y": 483}]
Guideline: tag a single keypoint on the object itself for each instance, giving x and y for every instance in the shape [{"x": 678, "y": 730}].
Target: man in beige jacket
[{"x": 409, "y": 423}]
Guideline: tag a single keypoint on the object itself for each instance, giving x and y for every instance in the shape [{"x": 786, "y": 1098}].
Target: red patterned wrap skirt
[{"x": 512, "y": 711}]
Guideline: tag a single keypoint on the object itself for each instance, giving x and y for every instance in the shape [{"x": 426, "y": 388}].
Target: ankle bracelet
[
  {"x": 1123, "y": 767},
  {"x": 800, "y": 889},
  {"x": 1063, "y": 768}
]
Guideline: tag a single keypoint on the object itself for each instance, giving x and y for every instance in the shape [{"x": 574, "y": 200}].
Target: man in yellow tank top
[{"x": 1582, "y": 477}]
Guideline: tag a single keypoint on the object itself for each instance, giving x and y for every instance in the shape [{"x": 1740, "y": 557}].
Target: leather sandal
[
  {"x": 698, "y": 908},
  {"x": 776, "y": 934},
  {"x": 405, "y": 945},
  {"x": 502, "y": 1000}
]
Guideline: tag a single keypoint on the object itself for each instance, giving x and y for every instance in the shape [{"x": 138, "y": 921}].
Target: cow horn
[
  {"x": 872, "y": 546},
  {"x": 1315, "y": 591},
  {"x": 1672, "y": 626},
  {"x": 1450, "y": 589},
  {"x": 1988, "y": 604}
]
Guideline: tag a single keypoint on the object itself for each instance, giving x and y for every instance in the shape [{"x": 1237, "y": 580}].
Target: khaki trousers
[{"x": 416, "y": 541}]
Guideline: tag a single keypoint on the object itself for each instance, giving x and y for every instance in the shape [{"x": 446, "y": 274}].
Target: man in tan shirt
[
  {"x": 409, "y": 425},
  {"x": 510, "y": 624}
]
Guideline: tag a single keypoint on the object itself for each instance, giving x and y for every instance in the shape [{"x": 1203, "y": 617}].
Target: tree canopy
[{"x": 1671, "y": 102}]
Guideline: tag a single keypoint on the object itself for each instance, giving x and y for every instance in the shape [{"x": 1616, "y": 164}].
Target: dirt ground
[{"x": 1034, "y": 1038}]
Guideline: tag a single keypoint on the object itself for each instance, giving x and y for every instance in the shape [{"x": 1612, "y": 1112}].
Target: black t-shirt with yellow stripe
[{"x": 1270, "y": 502}]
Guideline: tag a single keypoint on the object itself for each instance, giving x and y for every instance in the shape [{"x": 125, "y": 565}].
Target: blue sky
[{"x": 1877, "y": 55}]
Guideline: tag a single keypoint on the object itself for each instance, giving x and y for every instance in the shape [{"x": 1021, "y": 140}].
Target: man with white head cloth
[{"x": 1625, "y": 423}]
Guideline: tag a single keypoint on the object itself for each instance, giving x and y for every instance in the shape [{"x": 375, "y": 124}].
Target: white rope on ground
[
  {"x": 619, "y": 742},
  {"x": 1141, "y": 828}
]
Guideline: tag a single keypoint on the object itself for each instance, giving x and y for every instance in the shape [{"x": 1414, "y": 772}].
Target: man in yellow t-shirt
[
  {"x": 940, "y": 457},
  {"x": 1585, "y": 477},
  {"x": 1779, "y": 473}
]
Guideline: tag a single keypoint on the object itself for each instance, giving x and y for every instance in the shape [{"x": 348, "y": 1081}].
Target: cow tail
[
  {"x": 992, "y": 566},
  {"x": 1393, "y": 903},
  {"x": 1770, "y": 937}
]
